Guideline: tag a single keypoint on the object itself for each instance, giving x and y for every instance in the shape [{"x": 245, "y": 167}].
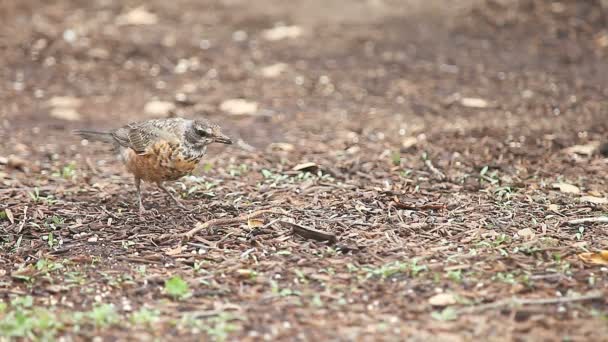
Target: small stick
[
  {"x": 597, "y": 219},
  {"x": 222, "y": 222},
  {"x": 539, "y": 301},
  {"x": 434, "y": 170},
  {"x": 429, "y": 206},
  {"x": 23, "y": 221},
  {"x": 310, "y": 233}
]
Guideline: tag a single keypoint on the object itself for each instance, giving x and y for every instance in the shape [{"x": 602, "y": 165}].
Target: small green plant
[
  {"x": 37, "y": 197},
  {"x": 490, "y": 177},
  {"x": 579, "y": 233},
  {"x": 145, "y": 316},
  {"x": 67, "y": 172},
  {"x": 177, "y": 288},
  {"x": 455, "y": 275},
  {"x": 396, "y": 158},
  {"x": 103, "y": 315},
  {"x": 447, "y": 314}
]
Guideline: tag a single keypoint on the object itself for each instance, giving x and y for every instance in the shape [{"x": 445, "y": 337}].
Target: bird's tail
[{"x": 95, "y": 135}]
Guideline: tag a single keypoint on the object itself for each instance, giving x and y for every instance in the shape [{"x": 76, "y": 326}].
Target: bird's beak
[{"x": 222, "y": 139}]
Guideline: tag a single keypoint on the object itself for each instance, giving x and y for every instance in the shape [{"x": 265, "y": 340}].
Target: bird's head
[{"x": 202, "y": 133}]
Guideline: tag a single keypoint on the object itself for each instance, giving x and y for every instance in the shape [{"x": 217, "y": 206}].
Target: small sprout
[
  {"x": 103, "y": 315},
  {"x": 579, "y": 234},
  {"x": 447, "y": 314},
  {"x": 317, "y": 301},
  {"x": 176, "y": 287},
  {"x": 207, "y": 167},
  {"x": 145, "y": 317},
  {"x": 396, "y": 158},
  {"x": 266, "y": 173},
  {"x": 455, "y": 275}
]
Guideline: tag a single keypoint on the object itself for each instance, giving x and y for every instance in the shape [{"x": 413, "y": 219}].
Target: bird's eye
[{"x": 202, "y": 132}]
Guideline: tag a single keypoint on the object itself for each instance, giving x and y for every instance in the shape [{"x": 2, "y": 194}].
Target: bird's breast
[{"x": 162, "y": 161}]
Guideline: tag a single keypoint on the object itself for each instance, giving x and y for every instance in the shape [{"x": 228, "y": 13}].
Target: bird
[{"x": 160, "y": 150}]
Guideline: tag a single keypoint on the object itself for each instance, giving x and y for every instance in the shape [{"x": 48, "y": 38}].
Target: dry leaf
[
  {"x": 567, "y": 188},
  {"x": 305, "y": 166},
  {"x": 594, "y": 200},
  {"x": 443, "y": 299},
  {"x": 280, "y": 146},
  {"x": 137, "y": 16},
  {"x": 553, "y": 207},
  {"x": 526, "y": 233},
  {"x": 174, "y": 251},
  {"x": 586, "y": 150},
  {"x": 255, "y": 223},
  {"x": 274, "y": 70},
  {"x": 65, "y": 113},
  {"x": 472, "y": 102},
  {"x": 409, "y": 142},
  {"x": 599, "y": 258},
  {"x": 239, "y": 107},
  {"x": 65, "y": 102},
  {"x": 9, "y": 215},
  {"x": 158, "y": 108},
  {"x": 16, "y": 162},
  {"x": 282, "y": 32}
]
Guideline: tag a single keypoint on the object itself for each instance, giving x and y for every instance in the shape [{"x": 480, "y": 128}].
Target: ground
[{"x": 445, "y": 147}]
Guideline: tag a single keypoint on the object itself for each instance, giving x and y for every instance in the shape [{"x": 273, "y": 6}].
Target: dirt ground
[{"x": 446, "y": 147}]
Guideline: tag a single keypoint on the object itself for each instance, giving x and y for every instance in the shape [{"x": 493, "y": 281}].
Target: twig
[
  {"x": 430, "y": 206},
  {"x": 23, "y": 221},
  {"x": 434, "y": 170},
  {"x": 597, "y": 219},
  {"x": 523, "y": 301},
  {"x": 310, "y": 233},
  {"x": 223, "y": 222}
]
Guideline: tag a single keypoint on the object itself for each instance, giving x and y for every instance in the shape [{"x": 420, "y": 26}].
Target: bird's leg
[
  {"x": 162, "y": 187},
  {"x": 138, "y": 188}
]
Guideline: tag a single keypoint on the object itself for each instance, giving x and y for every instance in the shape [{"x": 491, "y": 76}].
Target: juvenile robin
[{"x": 160, "y": 150}]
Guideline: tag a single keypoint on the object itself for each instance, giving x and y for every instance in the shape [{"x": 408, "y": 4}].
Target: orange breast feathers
[{"x": 162, "y": 161}]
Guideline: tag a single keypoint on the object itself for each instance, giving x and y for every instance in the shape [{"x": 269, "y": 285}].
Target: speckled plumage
[{"x": 162, "y": 149}]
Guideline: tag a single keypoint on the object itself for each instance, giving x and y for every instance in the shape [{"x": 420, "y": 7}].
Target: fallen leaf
[
  {"x": 274, "y": 70},
  {"x": 16, "y": 162},
  {"x": 65, "y": 113},
  {"x": 174, "y": 251},
  {"x": 282, "y": 32},
  {"x": 64, "y": 101},
  {"x": 280, "y": 146},
  {"x": 239, "y": 107},
  {"x": 586, "y": 150},
  {"x": 599, "y": 258},
  {"x": 137, "y": 16},
  {"x": 594, "y": 200},
  {"x": 409, "y": 142},
  {"x": 553, "y": 207},
  {"x": 158, "y": 108},
  {"x": 567, "y": 188},
  {"x": 255, "y": 223},
  {"x": 93, "y": 239},
  {"x": 526, "y": 233},
  {"x": 473, "y": 102},
  {"x": 443, "y": 299},
  {"x": 305, "y": 166},
  {"x": 9, "y": 215}
]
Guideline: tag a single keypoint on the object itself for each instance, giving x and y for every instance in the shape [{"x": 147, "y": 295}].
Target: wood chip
[
  {"x": 310, "y": 233},
  {"x": 567, "y": 188},
  {"x": 473, "y": 102},
  {"x": 443, "y": 299},
  {"x": 239, "y": 107},
  {"x": 594, "y": 200}
]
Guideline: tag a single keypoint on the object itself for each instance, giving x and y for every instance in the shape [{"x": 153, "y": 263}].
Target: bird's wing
[{"x": 140, "y": 136}]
